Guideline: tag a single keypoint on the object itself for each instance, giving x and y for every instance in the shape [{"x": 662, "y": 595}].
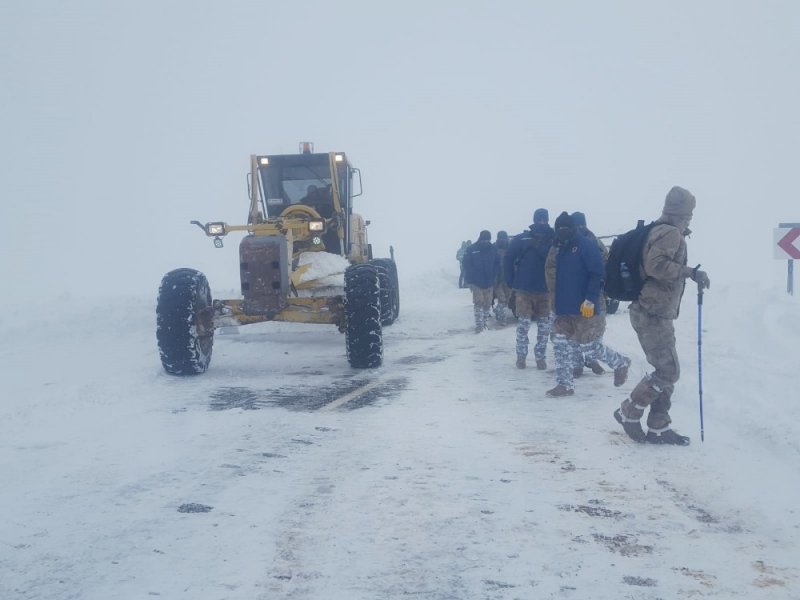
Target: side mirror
[{"x": 360, "y": 187}]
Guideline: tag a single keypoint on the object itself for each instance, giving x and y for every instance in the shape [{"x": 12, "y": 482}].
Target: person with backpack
[
  {"x": 480, "y": 272},
  {"x": 523, "y": 268},
  {"x": 460, "y": 258},
  {"x": 575, "y": 274},
  {"x": 662, "y": 269}
]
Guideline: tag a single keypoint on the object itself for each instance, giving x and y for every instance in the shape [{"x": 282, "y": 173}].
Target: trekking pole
[{"x": 700, "y": 355}]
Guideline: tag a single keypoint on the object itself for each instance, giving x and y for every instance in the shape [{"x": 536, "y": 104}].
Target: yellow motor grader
[{"x": 304, "y": 258}]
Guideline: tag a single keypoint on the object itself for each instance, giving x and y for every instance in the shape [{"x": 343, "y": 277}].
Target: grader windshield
[{"x": 302, "y": 179}]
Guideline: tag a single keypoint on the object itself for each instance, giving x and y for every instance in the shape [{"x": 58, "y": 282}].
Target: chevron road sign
[
  {"x": 787, "y": 246},
  {"x": 787, "y": 243}
]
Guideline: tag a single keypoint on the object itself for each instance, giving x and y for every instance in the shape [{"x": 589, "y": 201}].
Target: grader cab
[{"x": 304, "y": 257}]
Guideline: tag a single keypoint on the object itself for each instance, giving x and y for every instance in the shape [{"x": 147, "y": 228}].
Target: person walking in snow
[
  {"x": 578, "y": 358},
  {"x": 575, "y": 274},
  {"x": 502, "y": 291},
  {"x": 664, "y": 271},
  {"x": 523, "y": 269},
  {"x": 480, "y": 272},
  {"x": 460, "y": 258}
]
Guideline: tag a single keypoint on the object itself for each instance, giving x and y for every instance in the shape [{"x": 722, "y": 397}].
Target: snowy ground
[{"x": 445, "y": 474}]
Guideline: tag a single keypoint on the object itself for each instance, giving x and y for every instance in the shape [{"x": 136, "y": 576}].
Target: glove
[
  {"x": 701, "y": 279},
  {"x": 587, "y": 309}
]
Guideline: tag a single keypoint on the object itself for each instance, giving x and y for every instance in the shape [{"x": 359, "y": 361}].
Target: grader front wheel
[
  {"x": 362, "y": 310},
  {"x": 184, "y": 322}
]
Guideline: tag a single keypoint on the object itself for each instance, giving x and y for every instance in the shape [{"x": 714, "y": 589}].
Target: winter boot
[
  {"x": 621, "y": 373},
  {"x": 666, "y": 436},
  {"x": 559, "y": 391},
  {"x": 541, "y": 364},
  {"x": 520, "y": 361},
  {"x": 633, "y": 427},
  {"x": 595, "y": 367}
]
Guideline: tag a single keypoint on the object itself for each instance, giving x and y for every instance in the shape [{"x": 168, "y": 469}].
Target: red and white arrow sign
[{"x": 787, "y": 244}]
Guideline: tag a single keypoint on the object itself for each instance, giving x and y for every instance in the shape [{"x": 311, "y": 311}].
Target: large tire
[
  {"x": 390, "y": 294},
  {"x": 385, "y": 285},
  {"x": 362, "y": 311},
  {"x": 184, "y": 322}
]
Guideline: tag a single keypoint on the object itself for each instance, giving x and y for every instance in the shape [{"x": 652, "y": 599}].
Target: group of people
[{"x": 556, "y": 276}]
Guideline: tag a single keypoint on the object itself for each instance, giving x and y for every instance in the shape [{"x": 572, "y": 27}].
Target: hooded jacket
[
  {"x": 664, "y": 257},
  {"x": 481, "y": 264},
  {"x": 575, "y": 272},
  {"x": 524, "y": 262},
  {"x": 664, "y": 270}
]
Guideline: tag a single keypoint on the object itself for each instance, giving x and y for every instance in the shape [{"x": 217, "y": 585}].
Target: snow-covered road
[{"x": 445, "y": 474}]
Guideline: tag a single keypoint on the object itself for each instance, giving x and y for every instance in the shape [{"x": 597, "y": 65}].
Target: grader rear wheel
[{"x": 390, "y": 290}]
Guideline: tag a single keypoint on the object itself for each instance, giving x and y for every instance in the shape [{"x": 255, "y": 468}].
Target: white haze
[{"x": 123, "y": 121}]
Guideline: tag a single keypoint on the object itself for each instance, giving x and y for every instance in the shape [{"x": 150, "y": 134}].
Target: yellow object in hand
[{"x": 587, "y": 309}]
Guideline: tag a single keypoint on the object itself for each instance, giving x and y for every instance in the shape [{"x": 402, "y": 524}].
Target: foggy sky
[{"x": 123, "y": 121}]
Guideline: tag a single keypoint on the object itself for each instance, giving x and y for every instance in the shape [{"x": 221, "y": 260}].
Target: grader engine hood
[{"x": 264, "y": 263}]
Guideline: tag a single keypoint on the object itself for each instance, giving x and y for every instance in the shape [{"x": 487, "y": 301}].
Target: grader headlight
[
  {"x": 215, "y": 229},
  {"x": 316, "y": 225}
]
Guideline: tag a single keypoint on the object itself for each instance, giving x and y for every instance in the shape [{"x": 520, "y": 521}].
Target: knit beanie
[
  {"x": 541, "y": 214},
  {"x": 485, "y": 235},
  {"x": 565, "y": 220},
  {"x": 579, "y": 219},
  {"x": 679, "y": 203},
  {"x": 502, "y": 235}
]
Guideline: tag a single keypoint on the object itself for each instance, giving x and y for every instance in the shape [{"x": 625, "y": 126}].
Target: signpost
[{"x": 787, "y": 246}]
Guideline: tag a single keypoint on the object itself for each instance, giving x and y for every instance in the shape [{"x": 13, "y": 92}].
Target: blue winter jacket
[
  {"x": 525, "y": 259},
  {"x": 579, "y": 275},
  {"x": 481, "y": 264}
]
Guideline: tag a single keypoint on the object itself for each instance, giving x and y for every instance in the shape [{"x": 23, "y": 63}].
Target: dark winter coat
[
  {"x": 576, "y": 271},
  {"x": 481, "y": 264},
  {"x": 524, "y": 262}
]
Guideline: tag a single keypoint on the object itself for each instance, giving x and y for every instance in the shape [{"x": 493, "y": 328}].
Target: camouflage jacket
[{"x": 664, "y": 270}]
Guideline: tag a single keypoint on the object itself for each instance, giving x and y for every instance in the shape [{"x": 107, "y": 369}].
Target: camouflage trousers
[
  {"x": 543, "y": 329},
  {"x": 531, "y": 307},
  {"x": 482, "y": 305},
  {"x": 581, "y": 358},
  {"x": 575, "y": 337},
  {"x": 657, "y": 337}
]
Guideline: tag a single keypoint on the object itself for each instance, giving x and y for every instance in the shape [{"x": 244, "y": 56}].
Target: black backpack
[{"x": 623, "y": 279}]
